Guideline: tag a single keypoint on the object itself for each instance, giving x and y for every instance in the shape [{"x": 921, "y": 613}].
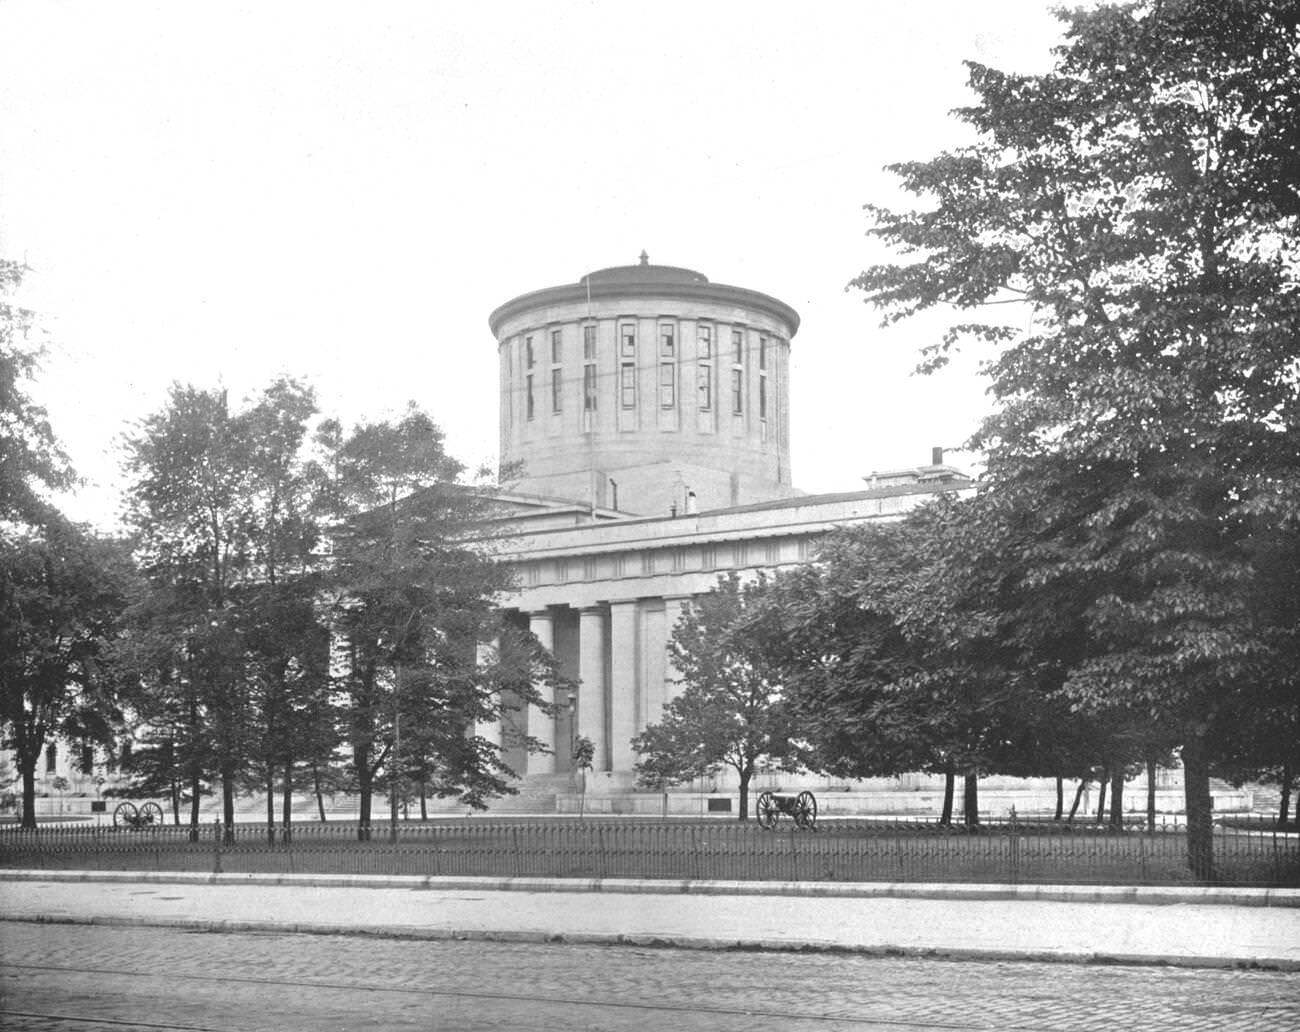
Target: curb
[
  {"x": 677, "y": 942},
  {"x": 1148, "y": 896}
]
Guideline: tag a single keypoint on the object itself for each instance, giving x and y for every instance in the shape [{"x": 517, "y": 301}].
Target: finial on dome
[{"x": 645, "y": 258}]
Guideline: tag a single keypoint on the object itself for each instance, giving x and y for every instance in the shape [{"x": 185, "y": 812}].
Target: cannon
[
  {"x": 802, "y": 808},
  {"x": 127, "y": 815}
]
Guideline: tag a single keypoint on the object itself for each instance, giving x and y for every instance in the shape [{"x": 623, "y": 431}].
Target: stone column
[
  {"x": 624, "y": 703},
  {"x": 591, "y": 690},
  {"x": 485, "y": 652},
  {"x": 541, "y": 725},
  {"x": 673, "y": 608}
]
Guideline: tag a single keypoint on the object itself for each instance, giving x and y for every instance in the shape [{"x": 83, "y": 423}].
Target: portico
[{"x": 604, "y": 598}]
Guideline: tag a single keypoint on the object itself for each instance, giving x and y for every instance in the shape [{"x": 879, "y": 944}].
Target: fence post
[
  {"x": 514, "y": 843},
  {"x": 216, "y": 846},
  {"x": 1015, "y": 848}
]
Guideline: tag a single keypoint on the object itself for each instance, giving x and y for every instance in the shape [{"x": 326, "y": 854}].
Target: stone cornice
[{"x": 704, "y": 293}]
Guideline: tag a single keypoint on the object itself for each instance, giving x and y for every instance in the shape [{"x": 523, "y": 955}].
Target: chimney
[{"x": 936, "y": 456}]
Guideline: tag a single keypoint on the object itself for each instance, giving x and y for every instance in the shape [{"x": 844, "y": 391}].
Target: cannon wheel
[
  {"x": 124, "y": 815},
  {"x": 765, "y": 810},
  {"x": 151, "y": 815},
  {"x": 805, "y": 811}
]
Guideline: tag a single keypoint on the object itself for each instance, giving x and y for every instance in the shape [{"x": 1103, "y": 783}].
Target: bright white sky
[{"x": 222, "y": 193}]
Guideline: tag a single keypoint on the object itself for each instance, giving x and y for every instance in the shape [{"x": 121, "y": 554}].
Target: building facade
[{"x": 645, "y": 428}]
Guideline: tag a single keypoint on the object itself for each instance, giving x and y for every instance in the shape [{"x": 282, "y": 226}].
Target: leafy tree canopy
[
  {"x": 30, "y": 456},
  {"x": 1140, "y": 203},
  {"x": 730, "y": 711}
]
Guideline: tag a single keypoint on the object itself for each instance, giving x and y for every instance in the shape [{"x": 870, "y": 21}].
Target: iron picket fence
[{"x": 1007, "y": 852}]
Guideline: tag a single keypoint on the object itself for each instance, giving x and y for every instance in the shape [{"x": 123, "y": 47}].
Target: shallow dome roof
[
  {"x": 644, "y": 273},
  {"x": 645, "y": 280}
]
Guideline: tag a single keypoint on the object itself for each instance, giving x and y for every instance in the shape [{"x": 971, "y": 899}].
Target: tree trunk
[
  {"x": 1102, "y": 783},
  {"x": 1285, "y": 807},
  {"x": 424, "y": 802},
  {"x": 176, "y": 802},
  {"x": 28, "y": 769},
  {"x": 1060, "y": 797},
  {"x": 1151, "y": 795},
  {"x": 228, "y": 802},
  {"x": 1117, "y": 799},
  {"x": 949, "y": 790},
  {"x": 270, "y": 808},
  {"x": 1200, "y": 810},
  {"x": 1078, "y": 798},
  {"x": 320, "y": 798},
  {"x": 365, "y": 788},
  {"x": 286, "y": 811},
  {"x": 745, "y": 775},
  {"x": 196, "y": 785},
  {"x": 971, "y": 801}
]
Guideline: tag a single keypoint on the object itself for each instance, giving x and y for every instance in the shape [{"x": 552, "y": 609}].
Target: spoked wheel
[
  {"x": 125, "y": 815},
  {"x": 765, "y": 810},
  {"x": 805, "y": 811},
  {"x": 151, "y": 815}
]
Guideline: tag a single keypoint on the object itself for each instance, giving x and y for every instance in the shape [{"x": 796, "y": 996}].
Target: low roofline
[{"x": 795, "y": 502}]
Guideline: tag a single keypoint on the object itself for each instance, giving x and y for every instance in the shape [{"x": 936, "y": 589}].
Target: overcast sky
[{"x": 223, "y": 193}]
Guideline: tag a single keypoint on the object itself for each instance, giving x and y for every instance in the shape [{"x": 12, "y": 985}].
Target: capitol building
[{"x": 645, "y": 433}]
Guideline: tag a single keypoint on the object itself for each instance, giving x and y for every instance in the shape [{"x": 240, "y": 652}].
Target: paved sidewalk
[{"x": 1192, "y": 927}]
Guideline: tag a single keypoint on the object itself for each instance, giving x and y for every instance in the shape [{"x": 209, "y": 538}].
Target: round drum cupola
[{"x": 646, "y": 388}]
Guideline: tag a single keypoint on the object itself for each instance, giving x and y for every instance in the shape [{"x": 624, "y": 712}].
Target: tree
[
  {"x": 1141, "y": 201},
  {"x": 895, "y": 662},
  {"x": 228, "y": 642},
  {"x": 730, "y": 711},
  {"x": 413, "y": 590},
  {"x": 30, "y": 456},
  {"x": 62, "y": 591}
]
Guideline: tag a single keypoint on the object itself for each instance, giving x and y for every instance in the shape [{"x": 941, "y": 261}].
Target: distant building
[{"x": 647, "y": 411}]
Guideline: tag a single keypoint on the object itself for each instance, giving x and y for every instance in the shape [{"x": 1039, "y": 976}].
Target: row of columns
[{"x": 613, "y": 703}]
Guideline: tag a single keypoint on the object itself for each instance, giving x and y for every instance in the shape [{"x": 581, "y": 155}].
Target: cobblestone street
[{"x": 75, "y": 977}]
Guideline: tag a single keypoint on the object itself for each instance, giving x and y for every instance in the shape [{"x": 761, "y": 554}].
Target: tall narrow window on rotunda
[
  {"x": 529, "y": 357},
  {"x": 557, "y": 373},
  {"x": 627, "y": 368},
  {"x": 528, "y": 395},
  {"x": 627, "y": 384},
  {"x": 737, "y": 372},
  {"x": 588, "y": 377},
  {"x": 667, "y": 340},
  {"x": 667, "y": 385}
]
